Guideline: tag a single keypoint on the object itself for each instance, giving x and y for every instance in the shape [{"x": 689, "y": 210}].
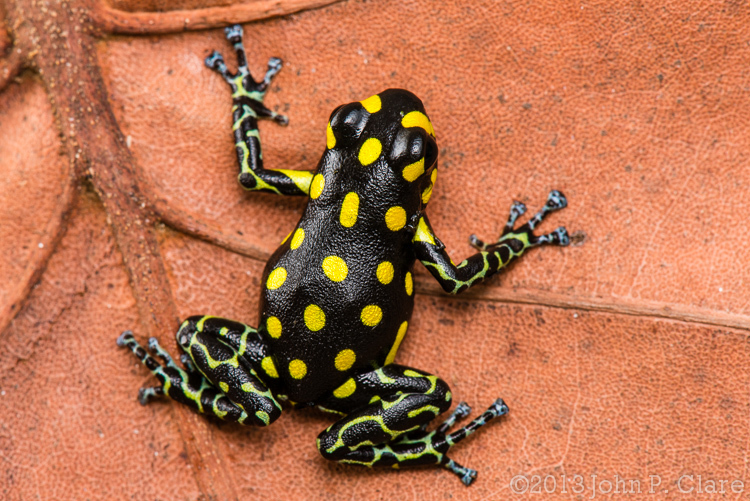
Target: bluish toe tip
[
  {"x": 463, "y": 409},
  {"x": 469, "y": 477},
  {"x": 122, "y": 338},
  {"x": 562, "y": 236},
  {"x": 153, "y": 343},
  {"x": 556, "y": 200},
  {"x": 233, "y": 31},
  {"x": 500, "y": 407},
  {"x": 213, "y": 59},
  {"x": 519, "y": 208},
  {"x": 142, "y": 397}
]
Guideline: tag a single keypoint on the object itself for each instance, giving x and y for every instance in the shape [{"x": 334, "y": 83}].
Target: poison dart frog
[{"x": 337, "y": 295}]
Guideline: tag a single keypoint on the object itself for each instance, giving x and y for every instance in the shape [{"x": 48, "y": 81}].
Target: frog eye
[
  {"x": 413, "y": 144},
  {"x": 348, "y": 122},
  {"x": 430, "y": 152}
]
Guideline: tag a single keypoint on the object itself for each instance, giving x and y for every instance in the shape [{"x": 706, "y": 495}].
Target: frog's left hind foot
[
  {"x": 170, "y": 374},
  {"x": 521, "y": 238},
  {"x": 216, "y": 350},
  {"x": 245, "y": 90}
]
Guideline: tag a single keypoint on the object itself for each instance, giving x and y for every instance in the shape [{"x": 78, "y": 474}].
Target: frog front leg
[
  {"x": 386, "y": 414},
  {"x": 227, "y": 370},
  {"x": 493, "y": 256},
  {"x": 247, "y": 107}
]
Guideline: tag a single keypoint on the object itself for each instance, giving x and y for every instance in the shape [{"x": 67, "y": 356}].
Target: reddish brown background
[{"x": 622, "y": 356}]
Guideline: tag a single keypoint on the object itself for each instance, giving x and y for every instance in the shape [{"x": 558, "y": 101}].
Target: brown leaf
[{"x": 621, "y": 357}]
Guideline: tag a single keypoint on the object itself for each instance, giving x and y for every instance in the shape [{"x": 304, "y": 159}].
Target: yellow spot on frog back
[
  {"x": 413, "y": 171},
  {"x": 224, "y": 386},
  {"x": 298, "y": 238},
  {"x": 399, "y": 337},
  {"x": 370, "y": 151},
  {"x": 335, "y": 268},
  {"x": 315, "y": 318},
  {"x": 395, "y": 218},
  {"x": 385, "y": 272},
  {"x": 345, "y": 389},
  {"x": 276, "y": 278},
  {"x": 345, "y": 359},
  {"x": 409, "y": 284},
  {"x": 273, "y": 326},
  {"x": 372, "y": 104},
  {"x": 297, "y": 369},
  {"x": 317, "y": 185},
  {"x": 418, "y": 119},
  {"x": 269, "y": 367},
  {"x": 349, "y": 210},
  {"x": 330, "y": 138},
  {"x": 371, "y": 315}
]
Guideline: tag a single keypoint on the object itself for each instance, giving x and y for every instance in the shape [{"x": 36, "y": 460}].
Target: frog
[{"x": 337, "y": 295}]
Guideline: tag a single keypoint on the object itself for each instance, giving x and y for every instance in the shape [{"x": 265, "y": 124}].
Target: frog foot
[
  {"x": 126, "y": 340},
  {"x": 497, "y": 409},
  {"x": 245, "y": 90},
  {"x": 461, "y": 411},
  {"x": 555, "y": 201}
]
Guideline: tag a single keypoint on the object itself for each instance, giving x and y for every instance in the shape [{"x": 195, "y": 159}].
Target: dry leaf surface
[{"x": 622, "y": 356}]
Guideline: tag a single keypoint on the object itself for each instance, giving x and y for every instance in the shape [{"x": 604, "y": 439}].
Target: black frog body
[
  {"x": 338, "y": 293},
  {"x": 339, "y": 289}
]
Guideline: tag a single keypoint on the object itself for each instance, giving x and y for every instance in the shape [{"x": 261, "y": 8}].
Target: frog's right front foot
[
  {"x": 245, "y": 90},
  {"x": 524, "y": 235}
]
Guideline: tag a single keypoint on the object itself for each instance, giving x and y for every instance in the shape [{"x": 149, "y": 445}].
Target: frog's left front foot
[
  {"x": 519, "y": 239},
  {"x": 245, "y": 90}
]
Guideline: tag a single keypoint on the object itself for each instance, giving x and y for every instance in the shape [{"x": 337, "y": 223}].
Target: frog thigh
[
  {"x": 386, "y": 415},
  {"x": 234, "y": 359},
  {"x": 221, "y": 375},
  {"x": 380, "y": 406}
]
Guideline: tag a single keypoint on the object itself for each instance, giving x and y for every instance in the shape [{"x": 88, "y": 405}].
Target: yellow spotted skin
[{"x": 338, "y": 294}]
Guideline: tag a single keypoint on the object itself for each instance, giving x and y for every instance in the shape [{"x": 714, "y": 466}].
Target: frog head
[{"x": 388, "y": 141}]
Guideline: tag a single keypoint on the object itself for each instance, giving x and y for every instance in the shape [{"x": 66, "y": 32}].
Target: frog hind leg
[
  {"x": 386, "y": 416},
  {"x": 220, "y": 377}
]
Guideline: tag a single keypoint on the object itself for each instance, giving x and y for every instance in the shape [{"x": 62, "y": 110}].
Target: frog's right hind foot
[{"x": 497, "y": 409}]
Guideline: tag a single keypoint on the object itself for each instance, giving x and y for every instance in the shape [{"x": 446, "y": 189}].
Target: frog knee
[
  {"x": 262, "y": 418},
  {"x": 328, "y": 448},
  {"x": 443, "y": 396}
]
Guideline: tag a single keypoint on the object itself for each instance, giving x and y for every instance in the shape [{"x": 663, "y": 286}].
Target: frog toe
[
  {"x": 461, "y": 411},
  {"x": 556, "y": 200},
  {"x": 234, "y": 33},
  {"x": 467, "y": 475},
  {"x": 145, "y": 395},
  {"x": 214, "y": 60}
]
